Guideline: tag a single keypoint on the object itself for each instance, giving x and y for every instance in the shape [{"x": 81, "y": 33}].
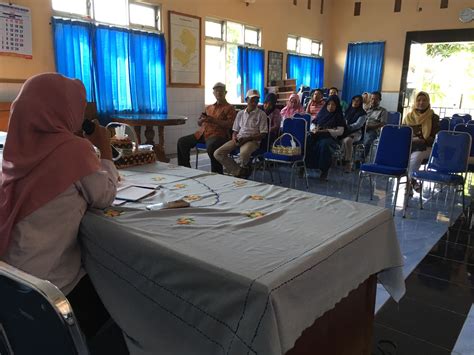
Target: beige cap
[
  {"x": 252, "y": 93},
  {"x": 218, "y": 85}
]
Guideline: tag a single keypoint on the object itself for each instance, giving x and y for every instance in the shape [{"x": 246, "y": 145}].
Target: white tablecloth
[{"x": 244, "y": 270}]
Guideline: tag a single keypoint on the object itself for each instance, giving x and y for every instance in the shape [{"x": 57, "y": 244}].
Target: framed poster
[
  {"x": 15, "y": 31},
  {"x": 184, "y": 49},
  {"x": 275, "y": 66}
]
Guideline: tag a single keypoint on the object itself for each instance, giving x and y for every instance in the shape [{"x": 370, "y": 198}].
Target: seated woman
[
  {"x": 50, "y": 176},
  {"x": 274, "y": 116},
  {"x": 329, "y": 125},
  {"x": 292, "y": 107},
  {"x": 355, "y": 117},
  {"x": 425, "y": 125},
  {"x": 316, "y": 103}
]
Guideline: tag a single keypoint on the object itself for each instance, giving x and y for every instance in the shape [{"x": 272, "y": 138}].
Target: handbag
[{"x": 293, "y": 149}]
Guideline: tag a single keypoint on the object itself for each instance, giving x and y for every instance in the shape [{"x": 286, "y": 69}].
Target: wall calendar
[{"x": 15, "y": 31}]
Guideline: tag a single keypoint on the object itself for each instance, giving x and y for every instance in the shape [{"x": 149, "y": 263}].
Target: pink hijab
[
  {"x": 291, "y": 108},
  {"x": 42, "y": 156}
]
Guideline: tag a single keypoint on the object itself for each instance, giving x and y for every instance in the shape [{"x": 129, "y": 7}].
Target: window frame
[
  {"x": 298, "y": 46},
  {"x": 90, "y": 17}
]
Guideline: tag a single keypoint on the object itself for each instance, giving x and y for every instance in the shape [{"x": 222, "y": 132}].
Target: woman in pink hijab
[
  {"x": 50, "y": 176},
  {"x": 292, "y": 106}
]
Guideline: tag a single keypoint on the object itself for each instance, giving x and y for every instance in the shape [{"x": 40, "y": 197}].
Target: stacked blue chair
[
  {"x": 444, "y": 124},
  {"x": 447, "y": 162},
  {"x": 454, "y": 122},
  {"x": 297, "y": 128},
  {"x": 468, "y": 128},
  {"x": 391, "y": 160},
  {"x": 394, "y": 118},
  {"x": 465, "y": 117}
]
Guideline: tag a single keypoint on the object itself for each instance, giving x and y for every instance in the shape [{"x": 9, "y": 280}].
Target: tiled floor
[{"x": 432, "y": 318}]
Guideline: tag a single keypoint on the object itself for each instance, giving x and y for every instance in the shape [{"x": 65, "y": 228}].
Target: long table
[{"x": 244, "y": 270}]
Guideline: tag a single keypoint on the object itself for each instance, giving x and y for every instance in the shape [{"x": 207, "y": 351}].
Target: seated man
[
  {"x": 250, "y": 127},
  {"x": 376, "y": 119},
  {"x": 335, "y": 91},
  {"x": 215, "y": 125}
]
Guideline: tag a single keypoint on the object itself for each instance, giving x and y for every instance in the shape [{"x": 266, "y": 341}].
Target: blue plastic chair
[
  {"x": 444, "y": 124},
  {"x": 306, "y": 117},
  {"x": 447, "y": 162},
  {"x": 36, "y": 317},
  {"x": 468, "y": 128},
  {"x": 391, "y": 160},
  {"x": 297, "y": 128},
  {"x": 200, "y": 147},
  {"x": 394, "y": 118},
  {"x": 454, "y": 122},
  {"x": 465, "y": 117}
]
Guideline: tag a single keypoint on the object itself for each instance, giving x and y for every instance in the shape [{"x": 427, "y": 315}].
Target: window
[
  {"x": 223, "y": 39},
  {"x": 116, "y": 12},
  {"x": 303, "y": 45}
]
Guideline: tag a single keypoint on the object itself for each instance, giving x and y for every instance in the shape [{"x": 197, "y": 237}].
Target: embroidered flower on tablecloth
[
  {"x": 256, "y": 197},
  {"x": 184, "y": 220},
  {"x": 113, "y": 213},
  {"x": 191, "y": 198},
  {"x": 159, "y": 178},
  {"x": 180, "y": 186},
  {"x": 254, "y": 214},
  {"x": 240, "y": 183}
]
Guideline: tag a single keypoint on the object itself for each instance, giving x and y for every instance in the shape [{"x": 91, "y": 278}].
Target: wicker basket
[
  {"x": 293, "y": 149},
  {"x": 134, "y": 156}
]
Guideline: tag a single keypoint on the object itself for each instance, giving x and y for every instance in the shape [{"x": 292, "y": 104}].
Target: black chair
[{"x": 35, "y": 317}]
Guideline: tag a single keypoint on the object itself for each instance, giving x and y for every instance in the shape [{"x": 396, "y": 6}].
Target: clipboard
[{"x": 133, "y": 193}]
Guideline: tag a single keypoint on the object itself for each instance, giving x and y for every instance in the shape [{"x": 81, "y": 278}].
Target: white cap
[
  {"x": 252, "y": 93},
  {"x": 218, "y": 85}
]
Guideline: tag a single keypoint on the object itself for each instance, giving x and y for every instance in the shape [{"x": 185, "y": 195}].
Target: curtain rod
[{"x": 357, "y": 42}]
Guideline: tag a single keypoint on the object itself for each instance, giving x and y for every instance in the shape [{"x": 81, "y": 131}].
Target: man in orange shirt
[{"x": 214, "y": 130}]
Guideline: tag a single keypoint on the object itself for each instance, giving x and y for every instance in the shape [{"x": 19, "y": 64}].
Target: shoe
[
  {"x": 347, "y": 168},
  {"x": 323, "y": 176},
  {"x": 244, "y": 172},
  {"x": 416, "y": 185}
]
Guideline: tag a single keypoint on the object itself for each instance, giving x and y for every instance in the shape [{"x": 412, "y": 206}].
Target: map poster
[
  {"x": 184, "y": 49},
  {"x": 275, "y": 67},
  {"x": 15, "y": 31}
]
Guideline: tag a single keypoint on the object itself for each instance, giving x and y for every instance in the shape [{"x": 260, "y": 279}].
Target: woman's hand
[{"x": 101, "y": 139}]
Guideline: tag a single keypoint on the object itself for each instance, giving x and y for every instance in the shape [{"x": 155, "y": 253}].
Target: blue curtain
[
  {"x": 250, "y": 68},
  {"x": 123, "y": 70},
  {"x": 363, "y": 70},
  {"x": 307, "y": 71},
  {"x": 73, "y": 52},
  {"x": 147, "y": 74}
]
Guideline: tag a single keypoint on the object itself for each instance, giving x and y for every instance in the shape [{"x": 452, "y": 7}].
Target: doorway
[{"x": 442, "y": 64}]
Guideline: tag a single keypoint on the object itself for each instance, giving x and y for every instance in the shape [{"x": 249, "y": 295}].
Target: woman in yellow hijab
[{"x": 425, "y": 125}]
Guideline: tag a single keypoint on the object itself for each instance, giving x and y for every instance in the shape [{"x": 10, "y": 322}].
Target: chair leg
[
  {"x": 407, "y": 196},
  {"x": 263, "y": 170},
  {"x": 358, "y": 185},
  {"x": 291, "y": 175},
  {"x": 421, "y": 195},
  {"x": 306, "y": 175},
  {"x": 452, "y": 206},
  {"x": 197, "y": 155},
  {"x": 388, "y": 181},
  {"x": 396, "y": 195},
  {"x": 371, "y": 188}
]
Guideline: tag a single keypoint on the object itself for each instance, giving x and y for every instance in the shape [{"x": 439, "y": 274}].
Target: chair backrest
[
  {"x": 454, "y": 122},
  {"x": 296, "y": 126},
  {"x": 465, "y": 116},
  {"x": 450, "y": 152},
  {"x": 394, "y": 146},
  {"x": 467, "y": 128},
  {"x": 36, "y": 317},
  {"x": 306, "y": 117},
  {"x": 444, "y": 124},
  {"x": 394, "y": 118}
]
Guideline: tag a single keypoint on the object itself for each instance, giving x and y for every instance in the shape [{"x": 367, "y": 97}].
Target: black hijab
[
  {"x": 326, "y": 119},
  {"x": 352, "y": 114},
  {"x": 272, "y": 99}
]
